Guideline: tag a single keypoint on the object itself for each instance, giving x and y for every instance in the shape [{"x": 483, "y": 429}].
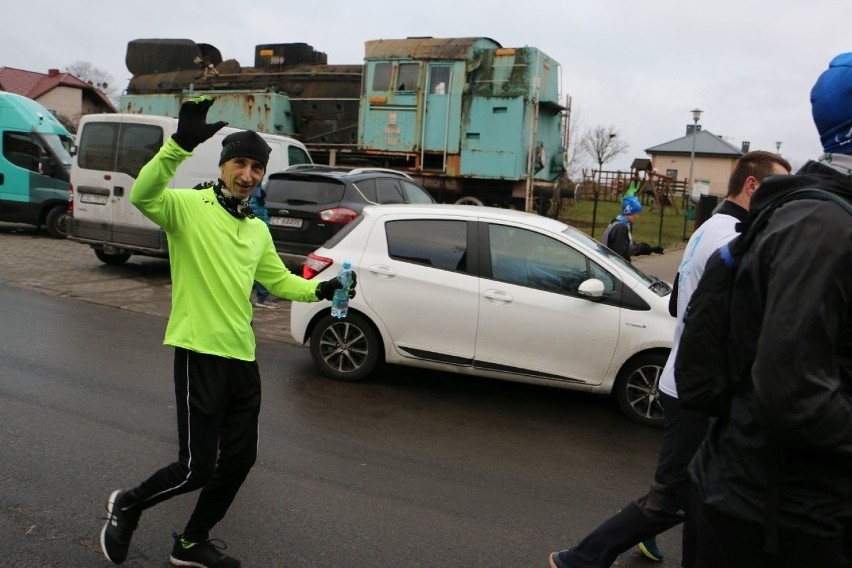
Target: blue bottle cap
[{"x": 347, "y": 265}]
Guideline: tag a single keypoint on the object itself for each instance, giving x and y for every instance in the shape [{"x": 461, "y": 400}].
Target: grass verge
[{"x": 667, "y": 227}]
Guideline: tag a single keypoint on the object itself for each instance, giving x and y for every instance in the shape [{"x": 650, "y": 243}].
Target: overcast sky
[{"x": 639, "y": 67}]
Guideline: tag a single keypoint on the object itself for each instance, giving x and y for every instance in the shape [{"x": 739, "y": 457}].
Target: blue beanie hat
[
  {"x": 630, "y": 205},
  {"x": 831, "y": 105}
]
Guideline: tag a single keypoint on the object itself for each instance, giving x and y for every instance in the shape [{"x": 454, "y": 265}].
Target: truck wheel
[
  {"x": 469, "y": 200},
  {"x": 112, "y": 259},
  {"x": 56, "y": 222}
]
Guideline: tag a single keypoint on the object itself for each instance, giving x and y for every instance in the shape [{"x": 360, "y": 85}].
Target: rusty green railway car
[{"x": 471, "y": 121}]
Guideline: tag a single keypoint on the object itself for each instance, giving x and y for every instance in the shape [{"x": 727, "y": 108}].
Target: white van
[{"x": 111, "y": 149}]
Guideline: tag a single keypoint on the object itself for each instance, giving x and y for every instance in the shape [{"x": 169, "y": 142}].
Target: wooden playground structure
[{"x": 652, "y": 189}]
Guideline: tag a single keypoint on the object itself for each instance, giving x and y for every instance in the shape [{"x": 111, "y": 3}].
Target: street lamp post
[
  {"x": 778, "y": 147},
  {"x": 696, "y": 114}
]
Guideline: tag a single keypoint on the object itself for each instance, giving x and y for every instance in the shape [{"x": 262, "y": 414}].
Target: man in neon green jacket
[{"x": 218, "y": 249}]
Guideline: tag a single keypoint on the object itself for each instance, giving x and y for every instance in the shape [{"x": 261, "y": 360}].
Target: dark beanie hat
[
  {"x": 831, "y": 105},
  {"x": 245, "y": 144}
]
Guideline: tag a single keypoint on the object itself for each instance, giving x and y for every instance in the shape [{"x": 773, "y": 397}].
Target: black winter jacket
[
  {"x": 792, "y": 328},
  {"x": 618, "y": 237}
]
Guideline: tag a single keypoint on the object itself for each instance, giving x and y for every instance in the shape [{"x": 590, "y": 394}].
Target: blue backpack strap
[{"x": 726, "y": 255}]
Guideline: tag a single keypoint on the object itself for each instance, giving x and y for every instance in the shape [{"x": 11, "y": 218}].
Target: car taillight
[
  {"x": 314, "y": 265},
  {"x": 70, "y": 198},
  {"x": 340, "y": 215}
]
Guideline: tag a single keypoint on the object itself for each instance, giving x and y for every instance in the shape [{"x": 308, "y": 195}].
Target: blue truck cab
[{"x": 35, "y": 165}]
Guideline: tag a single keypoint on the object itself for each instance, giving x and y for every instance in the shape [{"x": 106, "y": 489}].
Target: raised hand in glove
[
  {"x": 325, "y": 291},
  {"x": 657, "y": 249},
  {"x": 192, "y": 128}
]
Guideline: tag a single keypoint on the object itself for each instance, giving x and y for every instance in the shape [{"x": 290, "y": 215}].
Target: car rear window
[{"x": 304, "y": 191}]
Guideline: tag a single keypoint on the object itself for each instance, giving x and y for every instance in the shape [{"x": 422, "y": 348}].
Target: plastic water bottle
[{"x": 340, "y": 303}]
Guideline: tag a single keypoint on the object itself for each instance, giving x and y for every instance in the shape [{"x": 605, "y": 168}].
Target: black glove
[
  {"x": 643, "y": 248},
  {"x": 657, "y": 249},
  {"x": 325, "y": 291},
  {"x": 192, "y": 128}
]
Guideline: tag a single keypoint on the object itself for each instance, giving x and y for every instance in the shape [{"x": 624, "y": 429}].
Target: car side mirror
[{"x": 591, "y": 288}]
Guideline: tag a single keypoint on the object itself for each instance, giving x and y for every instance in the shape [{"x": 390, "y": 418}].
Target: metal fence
[{"x": 655, "y": 191}]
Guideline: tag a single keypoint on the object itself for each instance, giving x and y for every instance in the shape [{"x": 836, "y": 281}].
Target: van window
[
  {"x": 296, "y": 155},
  {"x": 22, "y": 149},
  {"x": 97, "y": 147},
  {"x": 125, "y": 148},
  {"x": 56, "y": 145},
  {"x": 41, "y": 153},
  {"x": 139, "y": 143}
]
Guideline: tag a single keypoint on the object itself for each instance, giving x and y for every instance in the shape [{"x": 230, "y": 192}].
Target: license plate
[
  {"x": 286, "y": 222},
  {"x": 93, "y": 198}
]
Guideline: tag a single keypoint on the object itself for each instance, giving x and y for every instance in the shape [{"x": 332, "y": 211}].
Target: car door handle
[
  {"x": 499, "y": 296},
  {"x": 382, "y": 271}
]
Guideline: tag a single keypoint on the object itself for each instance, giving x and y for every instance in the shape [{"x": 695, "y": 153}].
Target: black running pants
[{"x": 218, "y": 404}]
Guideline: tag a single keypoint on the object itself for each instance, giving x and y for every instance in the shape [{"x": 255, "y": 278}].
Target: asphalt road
[{"x": 413, "y": 469}]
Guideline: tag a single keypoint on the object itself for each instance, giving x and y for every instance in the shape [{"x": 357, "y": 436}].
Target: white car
[{"x": 493, "y": 293}]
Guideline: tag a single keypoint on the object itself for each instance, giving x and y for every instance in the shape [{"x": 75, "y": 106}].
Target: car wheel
[
  {"x": 345, "y": 349},
  {"x": 637, "y": 389},
  {"x": 111, "y": 259},
  {"x": 55, "y": 222}
]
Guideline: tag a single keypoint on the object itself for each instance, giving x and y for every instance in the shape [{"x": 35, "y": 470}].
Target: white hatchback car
[{"x": 493, "y": 293}]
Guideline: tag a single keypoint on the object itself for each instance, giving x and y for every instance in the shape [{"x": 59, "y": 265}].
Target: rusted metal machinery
[{"x": 472, "y": 121}]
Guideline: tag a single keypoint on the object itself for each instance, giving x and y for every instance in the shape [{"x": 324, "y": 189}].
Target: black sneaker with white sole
[
  {"x": 118, "y": 529},
  {"x": 204, "y": 554}
]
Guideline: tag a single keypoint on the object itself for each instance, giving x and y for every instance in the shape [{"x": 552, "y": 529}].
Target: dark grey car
[{"x": 309, "y": 204}]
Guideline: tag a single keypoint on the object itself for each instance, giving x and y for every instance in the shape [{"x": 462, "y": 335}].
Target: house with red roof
[{"x": 65, "y": 95}]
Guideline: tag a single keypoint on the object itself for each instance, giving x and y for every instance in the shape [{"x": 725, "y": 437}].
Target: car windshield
[
  {"x": 650, "y": 281},
  {"x": 303, "y": 191}
]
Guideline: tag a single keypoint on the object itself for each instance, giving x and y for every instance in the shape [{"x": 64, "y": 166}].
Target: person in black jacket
[
  {"x": 773, "y": 478},
  {"x": 666, "y": 502},
  {"x": 618, "y": 236}
]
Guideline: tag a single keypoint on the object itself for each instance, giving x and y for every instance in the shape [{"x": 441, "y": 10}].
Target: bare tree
[
  {"x": 96, "y": 77},
  {"x": 602, "y": 145}
]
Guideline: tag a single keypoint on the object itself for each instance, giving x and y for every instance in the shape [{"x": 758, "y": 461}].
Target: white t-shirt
[{"x": 712, "y": 234}]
